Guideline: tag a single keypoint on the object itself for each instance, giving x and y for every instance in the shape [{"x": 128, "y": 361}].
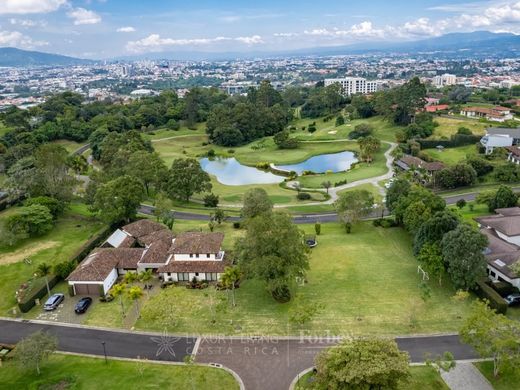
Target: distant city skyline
[{"x": 108, "y": 28}]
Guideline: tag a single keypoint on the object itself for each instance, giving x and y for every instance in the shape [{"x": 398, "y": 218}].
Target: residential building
[
  {"x": 500, "y": 137},
  {"x": 355, "y": 85},
  {"x": 437, "y": 107},
  {"x": 495, "y": 114},
  {"x": 408, "y": 162},
  {"x": 503, "y": 250},
  {"x": 444, "y": 80}
]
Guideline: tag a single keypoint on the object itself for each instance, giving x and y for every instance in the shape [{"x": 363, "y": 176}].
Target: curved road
[{"x": 261, "y": 362}]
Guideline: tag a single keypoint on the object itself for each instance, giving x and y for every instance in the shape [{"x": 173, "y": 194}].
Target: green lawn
[
  {"x": 200, "y": 129},
  {"x": 74, "y": 372},
  {"x": 423, "y": 378},
  {"x": 448, "y": 126},
  {"x": 367, "y": 187},
  {"x": 72, "y": 229},
  {"x": 506, "y": 381},
  {"x": 71, "y": 146},
  {"x": 452, "y": 156},
  {"x": 367, "y": 283}
]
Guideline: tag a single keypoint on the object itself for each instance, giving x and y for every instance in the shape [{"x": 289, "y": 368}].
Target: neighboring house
[
  {"x": 195, "y": 256},
  {"x": 437, "y": 107},
  {"x": 408, "y": 162},
  {"x": 500, "y": 137},
  {"x": 503, "y": 250},
  {"x": 144, "y": 245},
  {"x": 496, "y": 114},
  {"x": 514, "y": 154}
]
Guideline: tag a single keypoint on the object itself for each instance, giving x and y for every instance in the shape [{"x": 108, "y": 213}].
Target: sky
[{"x": 112, "y": 28}]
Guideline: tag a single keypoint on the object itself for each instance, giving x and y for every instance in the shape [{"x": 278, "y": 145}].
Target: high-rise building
[
  {"x": 445, "y": 79},
  {"x": 354, "y": 85}
]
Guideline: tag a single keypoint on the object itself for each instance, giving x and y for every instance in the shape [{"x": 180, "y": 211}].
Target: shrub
[
  {"x": 480, "y": 165},
  {"x": 461, "y": 203},
  {"x": 237, "y": 224},
  {"x": 37, "y": 289},
  {"x": 464, "y": 131},
  {"x": 211, "y": 200},
  {"x": 360, "y": 131},
  {"x": 377, "y": 222},
  {"x": 303, "y": 196},
  {"x": 507, "y": 173},
  {"x": 54, "y": 205},
  {"x": 307, "y": 173},
  {"x": 340, "y": 183},
  {"x": 263, "y": 165},
  {"x": 312, "y": 128},
  {"x": 388, "y": 223},
  {"x": 317, "y": 228},
  {"x": 495, "y": 301},
  {"x": 503, "y": 288},
  {"x": 30, "y": 221},
  {"x": 63, "y": 269},
  {"x": 211, "y": 153},
  {"x": 231, "y": 151}
]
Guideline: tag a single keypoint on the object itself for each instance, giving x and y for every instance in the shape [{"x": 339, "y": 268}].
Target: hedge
[
  {"x": 495, "y": 300},
  {"x": 38, "y": 291},
  {"x": 454, "y": 141}
]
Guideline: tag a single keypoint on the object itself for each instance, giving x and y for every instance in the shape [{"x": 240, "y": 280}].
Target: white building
[
  {"x": 444, "y": 80},
  {"x": 354, "y": 85},
  {"x": 500, "y": 137}
]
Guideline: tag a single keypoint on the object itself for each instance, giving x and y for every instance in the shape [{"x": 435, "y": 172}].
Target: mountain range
[{"x": 474, "y": 44}]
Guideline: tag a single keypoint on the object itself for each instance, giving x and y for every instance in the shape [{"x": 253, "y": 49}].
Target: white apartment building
[
  {"x": 445, "y": 79},
  {"x": 354, "y": 85}
]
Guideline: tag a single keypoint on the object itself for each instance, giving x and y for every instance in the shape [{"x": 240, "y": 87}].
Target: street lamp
[{"x": 104, "y": 351}]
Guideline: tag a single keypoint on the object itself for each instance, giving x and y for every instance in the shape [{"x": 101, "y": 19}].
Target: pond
[
  {"x": 335, "y": 162},
  {"x": 230, "y": 172}
]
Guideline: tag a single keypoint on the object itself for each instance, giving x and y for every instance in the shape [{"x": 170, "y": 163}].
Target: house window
[
  {"x": 183, "y": 277},
  {"x": 168, "y": 273},
  {"x": 208, "y": 255},
  {"x": 191, "y": 255},
  {"x": 211, "y": 276},
  {"x": 196, "y": 274},
  {"x": 197, "y": 255}
]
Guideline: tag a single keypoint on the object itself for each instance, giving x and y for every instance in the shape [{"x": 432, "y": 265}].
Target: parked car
[
  {"x": 53, "y": 302},
  {"x": 513, "y": 299},
  {"x": 82, "y": 305}
]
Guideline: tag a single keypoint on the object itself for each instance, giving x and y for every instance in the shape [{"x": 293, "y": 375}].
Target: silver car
[{"x": 53, "y": 302}]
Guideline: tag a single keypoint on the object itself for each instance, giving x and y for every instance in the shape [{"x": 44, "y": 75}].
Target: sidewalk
[{"x": 465, "y": 376}]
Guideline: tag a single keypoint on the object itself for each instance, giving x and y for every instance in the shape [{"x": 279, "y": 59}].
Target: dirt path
[{"x": 26, "y": 252}]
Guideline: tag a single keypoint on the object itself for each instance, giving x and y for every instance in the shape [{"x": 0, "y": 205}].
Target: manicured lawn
[
  {"x": 71, "y": 146},
  {"x": 358, "y": 172},
  {"x": 367, "y": 187},
  {"x": 166, "y": 133},
  {"x": 367, "y": 283},
  {"x": 448, "y": 126},
  {"x": 505, "y": 381},
  {"x": 74, "y": 372},
  {"x": 423, "y": 378},
  {"x": 72, "y": 229},
  {"x": 452, "y": 156}
]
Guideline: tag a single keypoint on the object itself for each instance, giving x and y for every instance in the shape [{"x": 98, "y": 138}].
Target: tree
[
  {"x": 430, "y": 256},
  {"x": 186, "y": 178},
  {"x": 135, "y": 293},
  {"x": 273, "y": 250},
  {"x": 32, "y": 350},
  {"x": 362, "y": 364},
  {"x": 145, "y": 277},
  {"x": 459, "y": 175},
  {"x": 147, "y": 167},
  {"x": 340, "y": 120},
  {"x": 117, "y": 291},
  {"x": 54, "y": 205},
  {"x": 256, "y": 202},
  {"x": 219, "y": 216},
  {"x": 119, "y": 199},
  {"x": 462, "y": 250},
  {"x": 493, "y": 336},
  {"x": 398, "y": 188},
  {"x": 30, "y": 221},
  {"x": 211, "y": 200},
  {"x": 284, "y": 141},
  {"x": 43, "y": 271},
  {"x": 353, "y": 205},
  {"x": 504, "y": 197},
  {"x": 163, "y": 210},
  {"x": 461, "y": 203},
  {"x": 368, "y": 146},
  {"x": 317, "y": 228},
  {"x": 432, "y": 230},
  {"x": 229, "y": 278},
  {"x": 408, "y": 99},
  {"x": 326, "y": 184},
  {"x": 302, "y": 312}
]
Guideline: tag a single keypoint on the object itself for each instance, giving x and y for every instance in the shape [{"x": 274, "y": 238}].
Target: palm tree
[
  {"x": 44, "y": 270},
  {"x": 130, "y": 277},
  {"x": 145, "y": 277},
  {"x": 135, "y": 293},
  {"x": 117, "y": 291},
  {"x": 229, "y": 278}
]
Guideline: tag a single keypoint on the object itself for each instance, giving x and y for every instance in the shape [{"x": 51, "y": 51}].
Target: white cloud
[
  {"x": 29, "y": 6},
  {"x": 154, "y": 42},
  {"x": 17, "y": 39},
  {"x": 126, "y": 29},
  {"x": 365, "y": 30},
  {"x": 286, "y": 35},
  {"x": 421, "y": 26},
  {"x": 27, "y": 22},
  {"x": 323, "y": 32},
  {"x": 83, "y": 16}
]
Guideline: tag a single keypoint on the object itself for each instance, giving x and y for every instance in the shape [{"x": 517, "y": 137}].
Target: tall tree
[
  {"x": 147, "y": 167},
  {"x": 362, "y": 364},
  {"x": 430, "y": 257},
  {"x": 135, "y": 293},
  {"x": 119, "y": 199},
  {"x": 409, "y": 99},
  {"x": 462, "y": 250},
  {"x": 273, "y": 250},
  {"x": 32, "y": 350},
  {"x": 229, "y": 279},
  {"x": 44, "y": 271},
  {"x": 368, "y": 146},
  {"x": 353, "y": 205},
  {"x": 398, "y": 188},
  {"x": 186, "y": 178},
  {"x": 118, "y": 291},
  {"x": 256, "y": 202},
  {"x": 435, "y": 228}
]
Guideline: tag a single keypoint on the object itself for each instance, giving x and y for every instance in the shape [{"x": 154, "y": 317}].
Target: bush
[
  {"x": 231, "y": 151},
  {"x": 377, "y": 222},
  {"x": 495, "y": 301},
  {"x": 281, "y": 294},
  {"x": 63, "y": 269},
  {"x": 54, "y": 205},
  {"x": 388, "y": 223},
  {"x": 312, "y": 128},
  {"x": 211, "y": 200},
  {"x": 30, "y": 221},
  {"x": 307, "y": 173},
  {"x": 211, "y": 153},
  {"x": 454, "y": 141},
  {"x": 503, "y": 288},
  {"x": 360, "y": 131},
  {"x": 461, "y": 203},
  {"x": 340, "y": 183},
  {"x": 480, "y": 165},
  {"x": 237, "y": 224},
  {"x": 303, "y": 196},
  {"x": 263, "y": 165},
  {"x": 37, "y": 289},
  {"x": 507, "y": 173}
]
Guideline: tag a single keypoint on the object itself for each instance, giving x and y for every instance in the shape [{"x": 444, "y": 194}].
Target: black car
[
  {"x": 82, "y": 305},
  {"x": 513, "y": 299}
]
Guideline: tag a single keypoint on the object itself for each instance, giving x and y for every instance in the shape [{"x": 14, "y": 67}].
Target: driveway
[{"x": 65, "y": 311}]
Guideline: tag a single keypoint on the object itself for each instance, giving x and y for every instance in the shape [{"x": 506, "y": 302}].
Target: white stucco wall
[
  {"x": 200, "y": 277},
  {"x": 110, "y": 280},
  {"x": 202, "y": 257}
]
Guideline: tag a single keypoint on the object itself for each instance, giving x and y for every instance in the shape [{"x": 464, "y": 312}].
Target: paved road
[{"x": 262, "y": 363}]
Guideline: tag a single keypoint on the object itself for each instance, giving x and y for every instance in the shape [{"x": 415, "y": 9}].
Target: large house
[
  {"x": 144, "y": 245},
  {"x": 500, "y": 137},
  {"x": 496, "y": 114},
  {"x": 503, "y": 250},
  {"x": 408, "y": 162}
]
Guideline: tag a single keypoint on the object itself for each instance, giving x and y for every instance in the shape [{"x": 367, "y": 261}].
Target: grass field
[
  {"x": 74, "y": 372},
  {"x": 367, "y": 187},
  {"x": 71, "y": 146},
  {"x": 448, "y": 126},
  {"x": 506, "y": 381},
  {"x": 422, "y": 378},
  {"x": 366, "y": 282},
  {"x": 452, "y": 156},
  {"x": 72, "y": 229},
  {"x": 200, "y": 129}
]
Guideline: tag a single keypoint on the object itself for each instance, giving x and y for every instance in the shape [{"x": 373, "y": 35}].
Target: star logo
[{"x": 165, "y": 343}]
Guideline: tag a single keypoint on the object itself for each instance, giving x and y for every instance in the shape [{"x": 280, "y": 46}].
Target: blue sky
[{"x": 108, "y": 28}]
